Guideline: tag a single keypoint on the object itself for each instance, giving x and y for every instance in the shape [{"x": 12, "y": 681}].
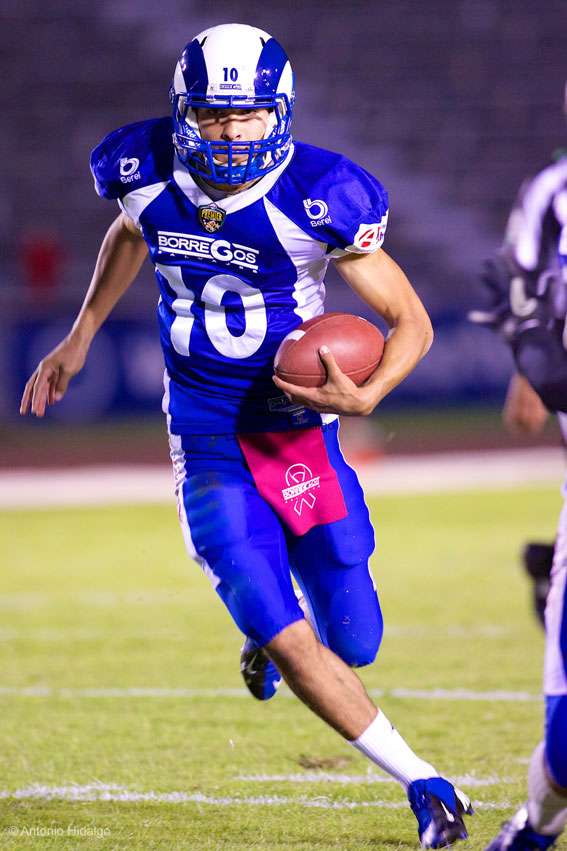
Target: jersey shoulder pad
[
  {"x": 132, "y": 157},
  {"x": 333, "y": 199}
]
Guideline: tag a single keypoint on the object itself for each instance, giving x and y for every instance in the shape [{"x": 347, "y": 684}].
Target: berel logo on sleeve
[
  {"x": 317, "y": 211},
  {"x": 129, "y": 169}
]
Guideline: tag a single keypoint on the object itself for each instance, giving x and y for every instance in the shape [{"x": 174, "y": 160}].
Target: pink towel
[{"x": 292, "y": 472}]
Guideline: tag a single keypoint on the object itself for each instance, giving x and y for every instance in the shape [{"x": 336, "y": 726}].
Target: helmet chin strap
[
  {"x": 271, "y": 124},
  {"x": 222, "y": 170}
]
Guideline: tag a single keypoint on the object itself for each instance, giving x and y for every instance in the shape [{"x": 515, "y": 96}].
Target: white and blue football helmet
[{"x": 232, "y": 65}]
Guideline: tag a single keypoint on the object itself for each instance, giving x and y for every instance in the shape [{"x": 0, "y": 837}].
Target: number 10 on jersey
[{"x": 225, "y": 342}]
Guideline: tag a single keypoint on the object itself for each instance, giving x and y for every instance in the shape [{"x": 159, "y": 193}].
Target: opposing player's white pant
[{"x": 555, "y": 663}]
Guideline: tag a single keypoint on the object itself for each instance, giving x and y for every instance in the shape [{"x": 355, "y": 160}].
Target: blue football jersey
[{"x": 236, "y": 275}]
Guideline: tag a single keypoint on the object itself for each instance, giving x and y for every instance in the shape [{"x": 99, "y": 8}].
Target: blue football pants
[{"x": 250, "y": 555}]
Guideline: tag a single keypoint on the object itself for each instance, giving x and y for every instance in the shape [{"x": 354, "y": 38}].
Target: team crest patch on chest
[{"x": 211, "y": 217}]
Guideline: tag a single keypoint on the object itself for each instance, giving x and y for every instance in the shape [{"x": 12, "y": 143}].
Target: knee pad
[
  {"x": 354, "y": 649},
  {"x": 260, "y": 599},
  {"x": 556, "y": 737},
  {"x": 355, "y": 628}
]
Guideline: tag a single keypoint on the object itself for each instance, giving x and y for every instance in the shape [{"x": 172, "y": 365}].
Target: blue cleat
[
  {"x": 261, "y": 676},
  {"x": 439, "y": 808},
  {"x": 517, "y": 835}
]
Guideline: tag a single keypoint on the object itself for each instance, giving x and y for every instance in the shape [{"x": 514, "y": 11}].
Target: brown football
[{"x": 356, "y": 344}]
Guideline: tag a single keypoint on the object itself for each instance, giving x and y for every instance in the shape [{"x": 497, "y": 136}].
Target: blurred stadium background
[{"x": 450, "y": 103}]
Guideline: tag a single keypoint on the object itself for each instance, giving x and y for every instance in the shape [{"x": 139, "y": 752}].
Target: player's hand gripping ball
[{"x": 356, "y": 344}]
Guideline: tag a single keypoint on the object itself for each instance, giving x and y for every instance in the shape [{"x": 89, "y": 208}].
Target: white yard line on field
[
  {"x": 463, "y": 694},
  {"x": 165, "y": 692},
  {"x": 359, "y": 779},
  {"x": 134, "y": 691},
  {"x": 103, "y": 598},
  {"x": 451, "y": 471},
  {"x": 113, "y": 792}
]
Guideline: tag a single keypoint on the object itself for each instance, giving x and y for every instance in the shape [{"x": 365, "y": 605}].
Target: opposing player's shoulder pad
[
  {"x": 334, "y": 200},
  {"x": 540, "y": 189},
  {"x": 134, "y": 156}
]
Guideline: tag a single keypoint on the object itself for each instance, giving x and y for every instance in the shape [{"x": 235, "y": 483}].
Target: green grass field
[{"x": 119, "y": 685}]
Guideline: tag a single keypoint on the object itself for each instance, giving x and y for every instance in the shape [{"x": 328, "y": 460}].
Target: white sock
[
  {"x": 547, "y": 811},
  {"x": 384, "y": 746}
]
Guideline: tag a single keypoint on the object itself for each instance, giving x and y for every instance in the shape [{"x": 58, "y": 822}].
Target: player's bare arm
[
  {"x": 121, "y": 255},
  {"x": 379, "y": 282},
  {"x": 524, "y": 413}
]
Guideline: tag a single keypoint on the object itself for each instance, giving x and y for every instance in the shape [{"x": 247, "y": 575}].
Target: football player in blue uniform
[{"x": 241, "y": 223}]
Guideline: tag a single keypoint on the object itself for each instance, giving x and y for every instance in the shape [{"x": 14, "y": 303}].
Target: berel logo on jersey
[
  {"x": 317, "y": 211},
  {"x": 207, "y": 248},
  {"x": 370, "y": 237},
  {"x": 129, "y": 169}
]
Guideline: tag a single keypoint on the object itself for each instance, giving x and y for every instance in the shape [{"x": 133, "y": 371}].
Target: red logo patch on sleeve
[{"x": 368, "y": 237}]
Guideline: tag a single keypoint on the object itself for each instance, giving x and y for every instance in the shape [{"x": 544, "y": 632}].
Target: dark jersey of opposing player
[
  {"x": 537, "y": 219},
  {"x": 236, "y": 275}
]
